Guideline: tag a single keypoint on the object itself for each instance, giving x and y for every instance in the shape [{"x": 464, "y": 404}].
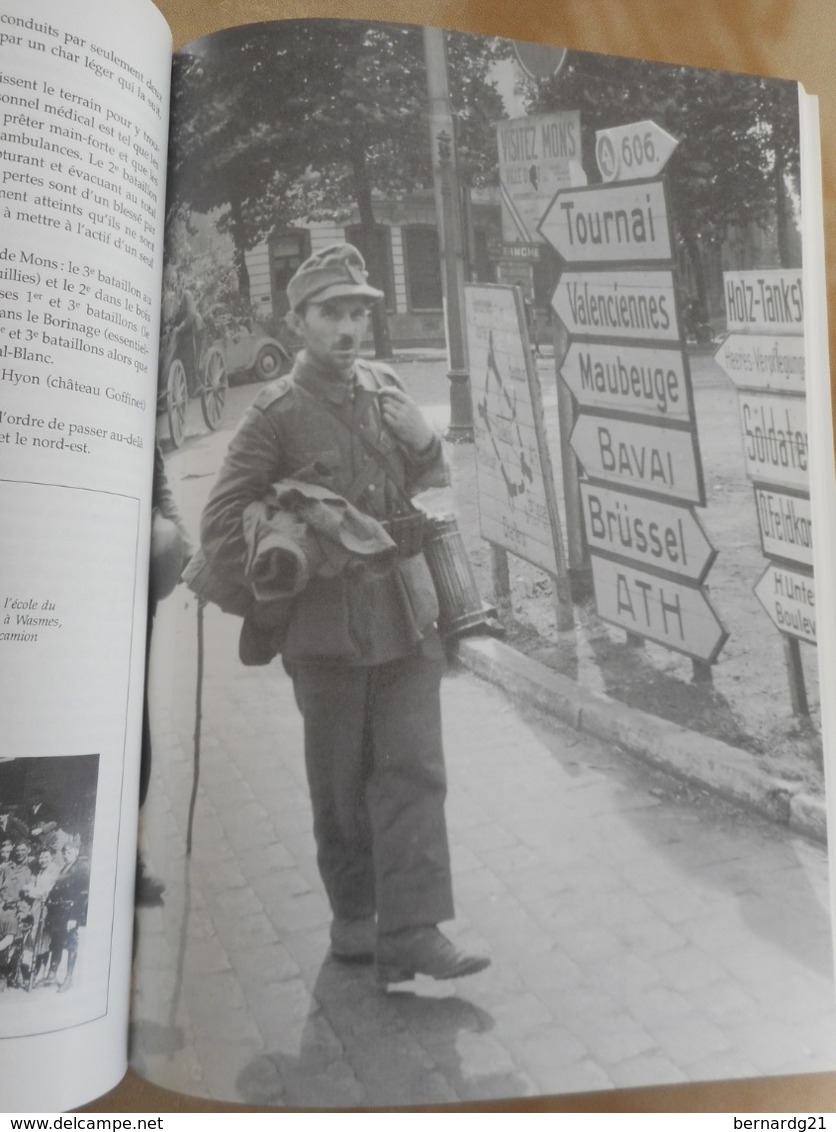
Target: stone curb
[{"x": 726, "y": 770}]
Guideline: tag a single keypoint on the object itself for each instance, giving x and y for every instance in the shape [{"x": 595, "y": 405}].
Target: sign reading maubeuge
[
  {"x": 618, "y": 304},
  {"x": 642, "y": 380},
  {"x": 672, "y": 613},
  {"x": 662, "y": 461}
]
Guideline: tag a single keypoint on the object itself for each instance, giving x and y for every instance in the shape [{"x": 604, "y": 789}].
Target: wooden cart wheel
[
  {"x": 214, "y": 388},
  {"x": 176, "y": 401}
]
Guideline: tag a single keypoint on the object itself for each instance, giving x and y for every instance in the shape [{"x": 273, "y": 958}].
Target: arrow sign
[
  {"x": 618, "y": 304},
  {"x": 629, "y": 379},
  {"x": 615, "y": 224},
  {"x": 672, "y": 613},
  {"x": 789, "y": 599},
  {"x": 786, "y": 525},
  {"x": 763, "y": 361},
  {"x": 651, "y": 533},
  {"x": 768, "y": 301},
  {"x": 627, "y": 153},
  {"x": 662, "y": 461}
]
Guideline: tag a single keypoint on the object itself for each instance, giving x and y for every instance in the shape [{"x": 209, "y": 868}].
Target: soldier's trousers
[{"x": 375, "y": 766}]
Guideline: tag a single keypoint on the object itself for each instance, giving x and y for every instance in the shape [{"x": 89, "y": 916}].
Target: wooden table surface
[{"x": 793, "y": 40}]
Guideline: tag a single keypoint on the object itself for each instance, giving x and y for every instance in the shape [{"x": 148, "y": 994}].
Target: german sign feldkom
[{"x": 537, "y": 156}]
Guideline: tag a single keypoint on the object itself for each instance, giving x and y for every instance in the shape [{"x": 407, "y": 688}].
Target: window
[
  {"x": 383, "y": 247},
  {"x": 288, "y": 251},
  {"x": 423, "y": 268}
]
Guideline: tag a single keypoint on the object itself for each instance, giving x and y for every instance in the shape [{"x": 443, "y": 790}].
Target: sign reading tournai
[
  {"x": 775, "y": 443},
  {"x": 649, "y": 458},
  {"x": 763, "y": 361},
  {"x": 537, "y": 156},
  {"x": 642, "y": 380},
  {"x": 647, "y": 531},
  {"x": 786, "y": 524},
  {"x": 789, "y": 599},
  {"x": 609, "y": 224},
  {"x": 768, "y": 301},
  {"x": 618, "y": 304},
  {"x": 673, "y": 613}
]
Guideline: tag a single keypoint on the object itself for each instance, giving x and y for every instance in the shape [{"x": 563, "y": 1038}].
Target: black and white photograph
[
  {"x": 482, "y": 752},
  {"x": 47, "y": 812}
]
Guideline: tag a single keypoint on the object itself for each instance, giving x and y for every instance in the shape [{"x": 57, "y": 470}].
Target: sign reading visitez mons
[{"x": 537, "y": 156}]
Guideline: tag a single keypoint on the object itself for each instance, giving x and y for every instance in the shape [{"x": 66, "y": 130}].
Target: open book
[{"x": 606, "y": 278}]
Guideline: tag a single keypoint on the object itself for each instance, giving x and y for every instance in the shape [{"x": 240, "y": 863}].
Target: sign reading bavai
[
  {"x": 764, "y": 301},
  {"x": 775, "y": 446},
  {"x": 789, "y": 599},
  {"x": 513, "y": 472},
  {"x": 618, "y": 304},
  {"x": 537, "y": 156},
  {"x": 649, "y": 458},
  {"x": 674, "y": 614},
  {"x": 761, "y": 361},
  {"x": 786, "y": 525},
  {"x": 616, "y": 223},
  {"x": 629, "y": 379},
  {"x": 649, "y": 532}
]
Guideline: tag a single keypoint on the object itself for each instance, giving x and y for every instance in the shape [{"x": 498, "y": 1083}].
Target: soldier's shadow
[{"x": 361, "y": 1046}]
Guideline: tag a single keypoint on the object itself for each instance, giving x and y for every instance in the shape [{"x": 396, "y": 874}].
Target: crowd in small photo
[{"x": 44, "y": 887}]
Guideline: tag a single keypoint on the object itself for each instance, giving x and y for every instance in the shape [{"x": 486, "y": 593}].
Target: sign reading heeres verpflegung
[
  {"x": 537, "y": 156},
  {"x": 610, "y": 224},
  {"x": 764, "y": 361}
]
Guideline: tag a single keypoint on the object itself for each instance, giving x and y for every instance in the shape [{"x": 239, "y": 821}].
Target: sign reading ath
[
  {"x": 618, "y": 304},
  {"x": 610, "y": 224},
  {"x": 674, "y": 614},
  {"x": 625, "y": 153}
]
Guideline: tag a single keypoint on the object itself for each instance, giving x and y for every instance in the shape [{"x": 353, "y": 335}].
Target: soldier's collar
[{"x": 322, "y": 382}]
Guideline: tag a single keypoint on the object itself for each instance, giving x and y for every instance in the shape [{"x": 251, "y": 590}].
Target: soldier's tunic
[{"x": 365, "y": 663}]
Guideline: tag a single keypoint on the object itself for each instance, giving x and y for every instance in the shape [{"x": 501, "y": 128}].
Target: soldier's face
[{"x": 333, "y": 331}]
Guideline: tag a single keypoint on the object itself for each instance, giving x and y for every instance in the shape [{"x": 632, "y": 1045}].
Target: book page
[
  {"x": 83, "y": 129},
  {"x": 635, "y": 807}
]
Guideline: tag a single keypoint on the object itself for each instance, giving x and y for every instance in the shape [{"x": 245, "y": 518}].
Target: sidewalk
[{"x": 640, "y": 934}]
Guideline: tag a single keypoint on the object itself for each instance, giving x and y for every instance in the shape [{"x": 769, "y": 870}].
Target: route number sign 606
[{"x": 626, "y": 153}]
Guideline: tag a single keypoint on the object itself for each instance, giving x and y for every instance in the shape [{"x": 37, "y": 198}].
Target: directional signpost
[
  {"x": 634, "y": 433},
  {"x": 764, "y": 358}
]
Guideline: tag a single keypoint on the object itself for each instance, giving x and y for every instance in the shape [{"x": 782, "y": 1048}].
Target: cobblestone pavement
[{"x": 640, "y": 933}]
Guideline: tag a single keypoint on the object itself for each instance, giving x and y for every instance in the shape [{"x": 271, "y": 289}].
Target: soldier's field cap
[{"x": 335, "y": 272}]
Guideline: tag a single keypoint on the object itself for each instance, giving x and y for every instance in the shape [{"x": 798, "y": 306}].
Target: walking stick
[{"x": 198, "y": 719}]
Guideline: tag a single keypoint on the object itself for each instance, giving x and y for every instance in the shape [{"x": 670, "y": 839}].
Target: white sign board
[
  {"x": 609, "y": 224},
  {"x": 646, "y": 457},
  {"x": 537, "y": 156},
  {"x": 652, "y": 606},
  {"x": 618, "y": 304},
  {"x": 625, "y": 153},
  {"x": 789, "y": 599},
  {"x": 629, "y": 379},
  {"x": 763, "y": 361},
  {"x": 775, "y": 444},
  {"x": 769, "y": 301},
  {"x": 513, "y": 472},
  {"x": 650, "y": 533},
  {"x": 786, "y": 525}
]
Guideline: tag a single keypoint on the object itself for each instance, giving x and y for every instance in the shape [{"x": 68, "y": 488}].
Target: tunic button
[{"x": 371, "y": 488}]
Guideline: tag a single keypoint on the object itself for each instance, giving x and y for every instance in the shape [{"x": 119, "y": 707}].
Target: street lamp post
[{"x": 447, "y": 194}]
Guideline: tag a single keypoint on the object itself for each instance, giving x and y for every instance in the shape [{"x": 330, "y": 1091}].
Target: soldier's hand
[{"x": 405, "y": 419}]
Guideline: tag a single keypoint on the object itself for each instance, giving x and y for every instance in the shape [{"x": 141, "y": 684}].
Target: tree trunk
[
  {"x": 692, "y": 249},
  {"x": 377, "y": 270}
]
